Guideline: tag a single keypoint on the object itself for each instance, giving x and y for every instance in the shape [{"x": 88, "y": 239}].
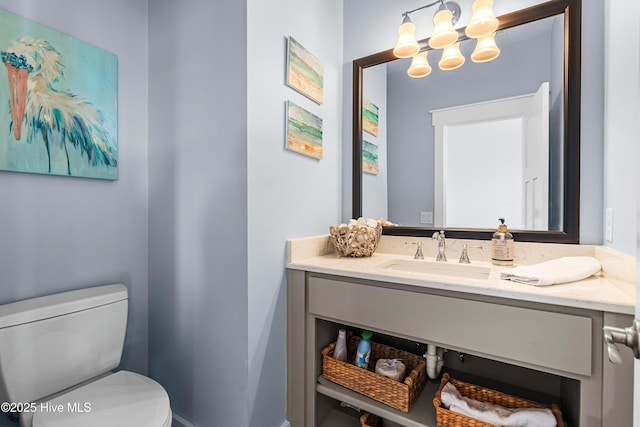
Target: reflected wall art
[
  {"x": 369, "y": 157},
  {"x": 370, "y": 113}
]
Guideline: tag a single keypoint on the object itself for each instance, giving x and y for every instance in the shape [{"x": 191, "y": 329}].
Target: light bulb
[
  {"x": 452, "y": 58},
  {"x": 483, "y": 21},
  {"x": 486, "y": 49},
  {"x": 407, "y": 45},
  {"x": 419, "y": 65},
  {"x": 443, "y": 32}
]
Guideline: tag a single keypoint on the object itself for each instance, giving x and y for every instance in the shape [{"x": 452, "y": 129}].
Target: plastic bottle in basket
[
  {"x": 364, "y": 350},
  {"x": 340, "y": 352}
]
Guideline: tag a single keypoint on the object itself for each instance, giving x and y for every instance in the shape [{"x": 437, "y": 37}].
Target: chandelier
[{"x": 482, "y": 27}]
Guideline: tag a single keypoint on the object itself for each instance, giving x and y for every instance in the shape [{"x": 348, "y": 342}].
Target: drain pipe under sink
[{"x": 434, "y": 360}]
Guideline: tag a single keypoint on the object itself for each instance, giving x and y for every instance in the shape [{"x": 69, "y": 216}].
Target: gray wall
[
  {"x": 621, "y": 121},
  {"x": 592, "y": 124},
  {"x": 61, "y": 233},
  {"x": 289, "y": 195},
  {"x": 198, "y": 208}
]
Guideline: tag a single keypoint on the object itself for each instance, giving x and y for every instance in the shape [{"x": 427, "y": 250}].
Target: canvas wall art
[
  {"x": 304, "y": 131},
  {"x": 305, "y": 72},
  {"x": 58, "y": 102},
  {"x": 370, "y": 113},
  {"x": 369, "y": 157}
]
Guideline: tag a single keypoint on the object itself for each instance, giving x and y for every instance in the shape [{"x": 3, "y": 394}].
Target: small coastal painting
[
  {"x": 305, "y": 72},
  {"x": 304, "y": 131},
  {"x": 58, "y": 102},
  {"x": 369, "y": 157},
  {"x": 369, "y": 117}
]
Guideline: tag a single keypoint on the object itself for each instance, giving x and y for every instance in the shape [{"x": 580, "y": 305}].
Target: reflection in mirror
[
  {"x": 459, "y": 149},
  {"x": 511, "y": 135}
]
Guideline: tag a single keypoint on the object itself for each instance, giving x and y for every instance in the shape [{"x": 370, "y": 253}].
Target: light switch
[
  {"x": 426, "y": 217},
  {"x": 608, "y": 226}
]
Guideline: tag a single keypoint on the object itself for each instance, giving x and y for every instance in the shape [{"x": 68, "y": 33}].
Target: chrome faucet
[
  {"x": 441, "y": 242},
  {"x": 464, "y": 256}
]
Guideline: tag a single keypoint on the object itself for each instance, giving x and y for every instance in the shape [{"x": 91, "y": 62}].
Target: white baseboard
[
  {"x": 286, "y": 424},
  {"x": 178, "y": 421}
]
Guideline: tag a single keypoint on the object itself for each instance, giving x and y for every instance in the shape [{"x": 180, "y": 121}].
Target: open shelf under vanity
[{"x": 525, "y": 383}]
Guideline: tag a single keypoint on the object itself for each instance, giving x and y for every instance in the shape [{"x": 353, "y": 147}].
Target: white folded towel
[
  {"x": 496, "y": 414},
  {"x": 561, "y": 270}
]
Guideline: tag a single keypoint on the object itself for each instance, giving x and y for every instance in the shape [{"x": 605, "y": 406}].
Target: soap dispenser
[{"x": 502, "y": 245}]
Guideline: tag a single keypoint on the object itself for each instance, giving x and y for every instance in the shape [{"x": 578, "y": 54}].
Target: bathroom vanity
[{"x": 541, "y": 343}]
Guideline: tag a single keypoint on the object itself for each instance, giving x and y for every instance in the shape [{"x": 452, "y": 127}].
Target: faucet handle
[
  {"x": 464, "y": 256},
  {"x": 419, "y": 254}
]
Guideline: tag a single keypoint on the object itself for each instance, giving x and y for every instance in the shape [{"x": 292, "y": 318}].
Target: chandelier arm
[{"x": 424, "y": 7}]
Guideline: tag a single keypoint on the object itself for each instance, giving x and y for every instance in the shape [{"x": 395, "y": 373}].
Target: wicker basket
[
  {"x": 357, "y": 240},
  {"x": 369, "y": 420},
  {"x": 399, "y": 395},
  {"x": 447, "y": 418}
]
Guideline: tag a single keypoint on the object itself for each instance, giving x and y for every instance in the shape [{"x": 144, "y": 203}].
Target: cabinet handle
[{"x": 627, "y": 336}]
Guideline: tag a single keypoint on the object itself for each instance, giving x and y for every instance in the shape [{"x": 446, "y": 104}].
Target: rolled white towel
[
  {"x": 496, "y": 414},
  {"x": 390, "y": 368},
  {"x": 561, "y": 270}
]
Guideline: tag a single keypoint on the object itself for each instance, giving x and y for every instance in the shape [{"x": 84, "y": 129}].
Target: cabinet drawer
[{"x": 546, "y": 339}]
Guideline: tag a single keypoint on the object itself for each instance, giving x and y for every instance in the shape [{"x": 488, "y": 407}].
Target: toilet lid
[{"x": 123, "y": 399}]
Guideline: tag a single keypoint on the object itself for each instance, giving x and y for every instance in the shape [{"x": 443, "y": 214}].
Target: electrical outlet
[
  {"x": 608, "y": 226},
  {"x": 426, "y": 217}
]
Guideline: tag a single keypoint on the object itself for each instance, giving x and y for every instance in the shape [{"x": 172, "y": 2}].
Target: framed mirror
[{"x": 441, "y": 166}]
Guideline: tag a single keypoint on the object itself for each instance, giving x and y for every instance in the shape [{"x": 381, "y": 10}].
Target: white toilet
[{"x": 57, "y": 354}]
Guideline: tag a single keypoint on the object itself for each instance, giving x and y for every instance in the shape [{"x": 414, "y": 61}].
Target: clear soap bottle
[
  {"x": 502, "y": 245},
  {"x": 340, "y": 352}
]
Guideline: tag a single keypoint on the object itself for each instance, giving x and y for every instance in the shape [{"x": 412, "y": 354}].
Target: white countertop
[{"x": 609, "y": 291}]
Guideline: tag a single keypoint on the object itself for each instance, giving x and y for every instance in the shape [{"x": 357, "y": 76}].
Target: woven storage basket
[
  {"x": 447, "y": 418},
  {"x": 399, "y": 395},
  {"x": 369, "y": 420}
]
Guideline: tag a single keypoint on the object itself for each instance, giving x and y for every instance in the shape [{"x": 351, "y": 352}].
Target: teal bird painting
[{"x": 61, "y": 114}]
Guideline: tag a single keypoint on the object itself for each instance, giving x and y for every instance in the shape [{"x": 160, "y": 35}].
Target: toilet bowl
[
  {"x": 120, "y": 399},
  {"x": 60, "y": 363}
]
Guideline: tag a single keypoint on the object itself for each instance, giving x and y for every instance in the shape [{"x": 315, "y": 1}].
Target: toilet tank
[{"x": 51, "y": 343}]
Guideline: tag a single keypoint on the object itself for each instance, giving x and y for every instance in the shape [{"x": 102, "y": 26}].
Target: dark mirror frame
[{"x": 572, "y": 10}]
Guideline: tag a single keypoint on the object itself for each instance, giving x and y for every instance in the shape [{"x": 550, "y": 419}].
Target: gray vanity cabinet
[{"x": 560, "y": 342}]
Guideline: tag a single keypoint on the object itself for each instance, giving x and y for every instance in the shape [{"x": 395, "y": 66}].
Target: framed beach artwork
[
  {"x": 305, "y": 72},
  {"x": 369, "y": 157},
  {"x": 304, "y": 131},
  {"x": 58, "y": 103},
  {"x": 370, "y": 113}
]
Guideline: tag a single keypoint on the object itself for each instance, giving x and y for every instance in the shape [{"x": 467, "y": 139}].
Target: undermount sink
[{"x": 433, "y": 268}]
